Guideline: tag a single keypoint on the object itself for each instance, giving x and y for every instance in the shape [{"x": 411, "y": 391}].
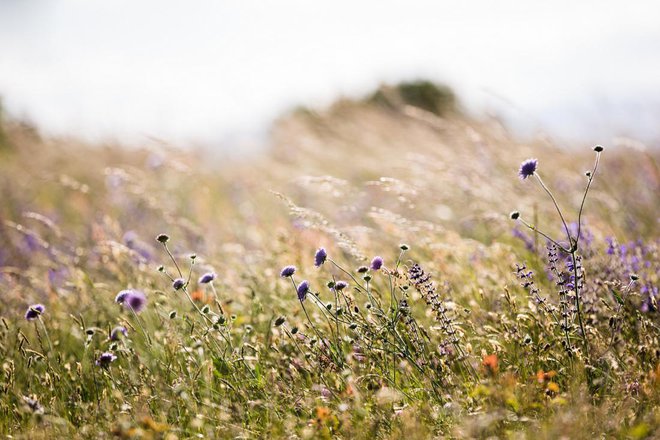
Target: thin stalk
[
  {"x": 568, "y": 234},
  {"x": 584, "y": 197}
]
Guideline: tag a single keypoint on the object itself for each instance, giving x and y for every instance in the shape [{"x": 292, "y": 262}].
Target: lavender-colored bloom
[
  {"x": 207, "y": 278},
  {"x": 341, "y": 285},
  {"x": 34, "y": 311},
  {"x": 105, "y": 359},
  {"x": 117, "y": 331},
  {"x": 320, "y": 257},
  {"x": 178, "y": 283},
  {"x": 132, "y": 299},
  {"x": 376, "y": 263},
  {"x": 288, "y": 271},
  {"x": 121, "y": 296},
  {"x": 302, "y": 290},
  {"x": 528, "y": 168}
]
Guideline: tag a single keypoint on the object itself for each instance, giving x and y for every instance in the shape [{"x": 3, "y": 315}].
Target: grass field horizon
[{"x": 386, "y": 268}]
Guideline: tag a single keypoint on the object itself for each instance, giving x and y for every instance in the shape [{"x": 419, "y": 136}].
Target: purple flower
[
  {"x": 376, "y": 263},
  {"x": 288, "y": 271},
  {"x": 121, "y": 296},
  {"x": 117, "y": 331},
  {"x": 207, "y": 278},
  {"x": 132, "y": 299},
  {"x": 178, "y": 284},
  {"x": 105, "y": 359},
  {"x": 528, "y": 168},
  {"x": 302, "y": 290},
  {"x": 341, "y": 285},
  {"x": 320, "y": 257},
  {"x": 34, "y": 311}
]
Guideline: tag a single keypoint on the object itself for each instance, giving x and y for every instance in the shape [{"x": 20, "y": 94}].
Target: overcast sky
[{"x": 208, "y": 70}]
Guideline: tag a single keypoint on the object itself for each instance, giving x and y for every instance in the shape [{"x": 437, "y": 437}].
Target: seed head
[
  {"x": 514, "y": 215},
  {"x": 598, "y": 148},
  {"x": 279, "y": 321},
  {"x": 340, "y": 285},
  {"x": 163, "y": 238}
]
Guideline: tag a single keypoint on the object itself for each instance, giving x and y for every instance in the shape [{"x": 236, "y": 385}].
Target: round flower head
[
  {"x": 105, "y": 359},
  {"x": 34, "y": 311},
  {"x": 116, "y": 333},
  {"x": 121, "y": 296},
  {"x": 376, "y": 263},
  {"x": 302, "y": 290},
  {"x": 528, "y": 168},
  {"x": 320, "y": 257},
  {"x": 340, "y": 285},
  {"x": 178, "y": 284},
  {"x": 207, "y": 278},
  {"x": 132, "y": 299},
  {"x": 288, "y": 271}
]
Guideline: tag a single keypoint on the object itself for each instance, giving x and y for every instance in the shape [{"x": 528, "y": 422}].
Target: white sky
[{"x": 207, "y": 70}]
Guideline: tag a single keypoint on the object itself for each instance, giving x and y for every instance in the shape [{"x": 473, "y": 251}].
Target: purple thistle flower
[
  {"x": 105, "y": 359},
  {"x": 207, "y": 278},
  {"x": 528, "y": 168},
  {"x": 132, "y": 299},
  {"x": 117, "y": 331},
  {"x": 34, "y": 311},
  {"x": 320, "y": 257},
  {"x": 376, "y": 263},
  {"x": 302, "y": 290},
  {"x": 341, "y": 285},
  {"x": 288, "y": 271},
  {"x": 178, "y": 284}
]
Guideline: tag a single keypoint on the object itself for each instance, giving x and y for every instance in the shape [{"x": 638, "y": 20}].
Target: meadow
[{"x": 387, "y": 268}]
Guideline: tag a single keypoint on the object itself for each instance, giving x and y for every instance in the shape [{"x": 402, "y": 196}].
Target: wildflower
[
  {"x": 376, "y": 263},
  {"x": 34, "y": 311},
  {"x": 490, "y": 362},
  {"x": 117, "y": 331},
  {"x": 341, "y": 285},
  {"x": 105, "y": 359},
  {"x": 121, "y": 296},
  {"x": 288, "y": 271},
  {"x": 132, "y": 299},
  {"x": 207, "y": 278},
  {"x": 528, "y": 168},
  {"x": 302, "y": 290},
  {"x": 178, "y": 283},
  {"x": 362, "y": 269},
  {"x": 320, "y": 257}
]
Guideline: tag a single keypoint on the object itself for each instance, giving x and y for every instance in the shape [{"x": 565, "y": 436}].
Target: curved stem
[
  {"x": 568, "y": 234},
  {"x": 584, "y": 197}
]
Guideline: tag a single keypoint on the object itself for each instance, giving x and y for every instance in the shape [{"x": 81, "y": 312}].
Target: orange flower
[
  {"x": 545, "y": 376},
  {"x": 491, "y": 363}
]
